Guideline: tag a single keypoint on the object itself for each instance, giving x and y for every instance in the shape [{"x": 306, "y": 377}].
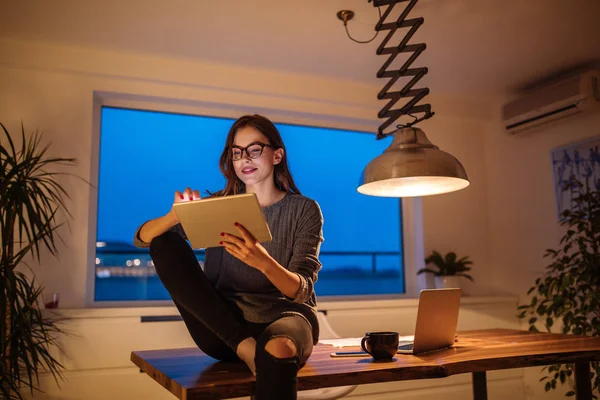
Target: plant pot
[{"x": 447, "y": 282}]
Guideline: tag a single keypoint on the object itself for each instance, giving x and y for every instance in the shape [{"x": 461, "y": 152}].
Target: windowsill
[
  {"x": 352, "y": 304},
  {"x": 326, "y": 304}
]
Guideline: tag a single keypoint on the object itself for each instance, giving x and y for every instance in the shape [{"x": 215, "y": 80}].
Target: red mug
[{"x": 54, "y": 302}]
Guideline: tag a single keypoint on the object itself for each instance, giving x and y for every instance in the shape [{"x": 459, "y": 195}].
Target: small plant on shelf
[{"x": 449, "y": 265}]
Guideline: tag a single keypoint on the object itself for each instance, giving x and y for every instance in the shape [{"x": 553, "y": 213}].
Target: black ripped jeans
[{"x": 217, "y": 325}]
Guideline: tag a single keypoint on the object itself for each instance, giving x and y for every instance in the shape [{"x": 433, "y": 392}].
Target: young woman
[{"x": 253, "y": 301}]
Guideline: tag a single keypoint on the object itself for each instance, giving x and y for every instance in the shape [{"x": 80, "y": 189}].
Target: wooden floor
[{"x": 188, "y": 373}]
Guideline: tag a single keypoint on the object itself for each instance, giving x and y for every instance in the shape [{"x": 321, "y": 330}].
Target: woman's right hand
[{"x": 187, "y": 195}]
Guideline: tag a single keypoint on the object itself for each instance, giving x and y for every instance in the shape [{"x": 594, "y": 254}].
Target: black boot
[{"x": 276, "y": 378}]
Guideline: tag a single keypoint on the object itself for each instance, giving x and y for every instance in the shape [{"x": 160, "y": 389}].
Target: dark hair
[{"x": 281, "y": 175}]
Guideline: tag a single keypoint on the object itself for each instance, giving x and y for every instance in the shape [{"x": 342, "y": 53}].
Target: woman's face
[{"x": 249, "y": 170}]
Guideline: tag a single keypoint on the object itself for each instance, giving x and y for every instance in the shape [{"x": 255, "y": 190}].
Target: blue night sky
[{"x": 146, "y": 156}]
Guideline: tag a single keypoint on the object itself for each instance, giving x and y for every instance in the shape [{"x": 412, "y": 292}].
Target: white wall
[{"x": 524, "y": 221}]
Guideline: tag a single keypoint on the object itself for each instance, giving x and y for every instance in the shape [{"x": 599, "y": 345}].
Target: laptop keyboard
[{"x": 406, "y": 346}]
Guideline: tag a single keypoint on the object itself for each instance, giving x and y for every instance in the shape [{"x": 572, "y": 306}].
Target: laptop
[
  {"x": 437, "y": 319},
  {"x": 203, "y": 220}
]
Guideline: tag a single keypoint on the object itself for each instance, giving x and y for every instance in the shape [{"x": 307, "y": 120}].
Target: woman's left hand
[{"x": 246, "y": 248}]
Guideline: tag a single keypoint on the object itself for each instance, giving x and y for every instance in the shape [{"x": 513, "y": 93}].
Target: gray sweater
[{"x": 296, "y": 224}]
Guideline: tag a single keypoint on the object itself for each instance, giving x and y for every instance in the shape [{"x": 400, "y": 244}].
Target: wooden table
[{"x": 190, "y": 374}]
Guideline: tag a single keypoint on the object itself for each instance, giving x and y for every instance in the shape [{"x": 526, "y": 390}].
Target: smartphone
[
  {"x": 405, "y": 347},
  {"x": 350, "y": 354}
]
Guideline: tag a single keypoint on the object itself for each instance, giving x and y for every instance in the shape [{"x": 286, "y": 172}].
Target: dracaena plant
[
  {"x": 566, "y": 298},
  {"x": 449, "y": 265},
  {"x": 31, "y": 200}
]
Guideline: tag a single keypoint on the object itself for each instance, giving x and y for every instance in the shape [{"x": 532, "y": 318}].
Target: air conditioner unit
[{"x": 569, "y": 96}]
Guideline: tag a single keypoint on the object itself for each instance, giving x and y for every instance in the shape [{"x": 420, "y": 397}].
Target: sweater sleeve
[
  {"x": 138, "y": 242},
  {"x": 305, "y": 250}
]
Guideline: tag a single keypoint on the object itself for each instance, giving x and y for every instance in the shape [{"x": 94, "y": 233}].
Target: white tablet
[{"x": 203, "y": 220}]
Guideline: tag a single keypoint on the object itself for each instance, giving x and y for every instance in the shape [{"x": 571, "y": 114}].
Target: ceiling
[{"x": 474, "y": 47}]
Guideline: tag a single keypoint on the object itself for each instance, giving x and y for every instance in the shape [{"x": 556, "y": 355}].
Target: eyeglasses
[{"x": 253, "y": 150}]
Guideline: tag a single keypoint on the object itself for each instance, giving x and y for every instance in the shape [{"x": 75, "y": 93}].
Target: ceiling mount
[{"x": 345, "y": 15}]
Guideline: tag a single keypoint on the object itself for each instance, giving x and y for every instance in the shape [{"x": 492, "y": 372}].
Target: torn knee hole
[{"x": 281, "y": 347}]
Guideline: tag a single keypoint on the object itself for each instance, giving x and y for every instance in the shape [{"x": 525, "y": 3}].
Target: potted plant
[
  {"x": 566, "y": 298},
  {"x": 31, "y": 199},
  {"x": 447, "y": 270}
]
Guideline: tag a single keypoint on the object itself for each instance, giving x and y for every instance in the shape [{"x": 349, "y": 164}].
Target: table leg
[
  {"x": 583, "y": 381},
  {"x": 479, "y": 386}
]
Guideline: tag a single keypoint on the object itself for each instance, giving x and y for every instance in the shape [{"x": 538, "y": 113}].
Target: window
[{"x": 146, "y": 156}]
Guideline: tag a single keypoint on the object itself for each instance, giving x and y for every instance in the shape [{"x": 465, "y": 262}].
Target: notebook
[{"x": 435, "y": 329}]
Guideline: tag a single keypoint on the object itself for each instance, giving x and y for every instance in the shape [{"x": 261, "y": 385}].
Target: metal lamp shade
[{"x": 412, "y": 166}]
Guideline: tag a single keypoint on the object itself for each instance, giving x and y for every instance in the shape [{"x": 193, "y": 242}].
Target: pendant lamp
[{"x": 411, "y": 166}]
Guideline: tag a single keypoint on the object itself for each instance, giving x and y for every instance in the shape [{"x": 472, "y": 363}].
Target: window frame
[{"x": 410, "y": 209}]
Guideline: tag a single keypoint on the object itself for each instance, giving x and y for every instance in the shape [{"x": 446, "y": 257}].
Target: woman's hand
[
  {"x": 247, "y": 249},
  {"x": 187, "y": 195},
  {"x": 250, "y": 251}
]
